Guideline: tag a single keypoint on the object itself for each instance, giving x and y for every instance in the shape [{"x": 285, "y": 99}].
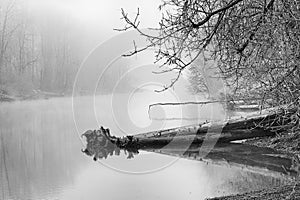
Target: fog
[
  {"x": 43, "y": 43},
  {"x": 90, "y": 22}
]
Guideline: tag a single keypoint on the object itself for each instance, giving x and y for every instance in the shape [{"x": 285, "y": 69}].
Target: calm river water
[{"x": 40, "y": 155}]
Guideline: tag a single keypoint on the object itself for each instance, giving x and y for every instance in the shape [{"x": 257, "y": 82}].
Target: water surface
[{"x": 41, "y": 157}]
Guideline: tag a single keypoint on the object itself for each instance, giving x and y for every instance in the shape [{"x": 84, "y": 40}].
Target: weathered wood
[
  {"x": 259, "y": 160},
  {"x": 246, "y": 108},
  {"x": 221, "y": 137},
  {"x": 233, "y": 129},
  {"x": 252, "y": 126}
]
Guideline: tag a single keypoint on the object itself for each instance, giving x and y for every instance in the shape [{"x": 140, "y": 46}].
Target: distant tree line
[{"x": 33, "y": 56}]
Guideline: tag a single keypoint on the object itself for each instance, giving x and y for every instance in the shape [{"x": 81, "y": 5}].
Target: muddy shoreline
[
  {"x": 283, "y": 192},
  {"x": 286, "y": 142}
]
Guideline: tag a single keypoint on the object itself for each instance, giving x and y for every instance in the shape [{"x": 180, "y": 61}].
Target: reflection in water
[
  {"x": 246, "y": 157},
  {"x": 40, "y": 158},
  {"x": 100, "y": 144},
  {"x": 38, "y": 149}
]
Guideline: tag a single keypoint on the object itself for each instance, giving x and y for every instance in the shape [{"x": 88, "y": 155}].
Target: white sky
[{"x": 95, "y": 15}]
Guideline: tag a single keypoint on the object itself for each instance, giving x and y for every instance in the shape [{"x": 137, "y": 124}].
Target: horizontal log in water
[
  {"x": 257, "y": 125},
  {"x": 233, "y": 129},
  {"x": 221, "y": 137},
  {"x": 256, "y": 159}
]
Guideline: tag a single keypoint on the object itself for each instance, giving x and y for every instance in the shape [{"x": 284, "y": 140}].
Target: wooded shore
[{"x": 34, "y": 95}]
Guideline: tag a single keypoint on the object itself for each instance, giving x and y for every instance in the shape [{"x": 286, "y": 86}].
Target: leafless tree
[
  {"x": 33, "y": 56},
  {"x": 7, "y": 29},
  {"x": 254, "y": 42}
]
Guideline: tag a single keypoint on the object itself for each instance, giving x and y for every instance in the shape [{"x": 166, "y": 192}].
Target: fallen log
[
  {"x": 251, "y": 158},
  {"x": 266, "y": 123},
  {"x": 246, "y": 108},
  {"x": 252, "y": 126},
  {"x": 220, "y": 137}
]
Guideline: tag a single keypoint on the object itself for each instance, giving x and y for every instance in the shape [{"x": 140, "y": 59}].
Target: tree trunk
[{"x": 263, "y": 124}]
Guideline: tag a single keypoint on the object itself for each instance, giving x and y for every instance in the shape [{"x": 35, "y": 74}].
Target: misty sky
[{"x": 92, "y": 21}]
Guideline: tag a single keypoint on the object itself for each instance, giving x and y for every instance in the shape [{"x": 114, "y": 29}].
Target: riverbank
[
  {"x": 34, "y": 95},
  {"x": 286, "y": 142},
  {"x": 290, "y": 192},
  {"x": 6, "y": 96}
]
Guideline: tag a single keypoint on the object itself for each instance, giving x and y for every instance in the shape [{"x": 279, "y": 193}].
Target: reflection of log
[
  {"x": 255, "y": 159},
  {"x": 265, "y": 161}
]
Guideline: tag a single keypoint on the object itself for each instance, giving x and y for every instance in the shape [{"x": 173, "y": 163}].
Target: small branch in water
[
  {"x": 179, "y": 104},
  {"x": 196, "y": 103},
  {"x": 176, "y": 119}
]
